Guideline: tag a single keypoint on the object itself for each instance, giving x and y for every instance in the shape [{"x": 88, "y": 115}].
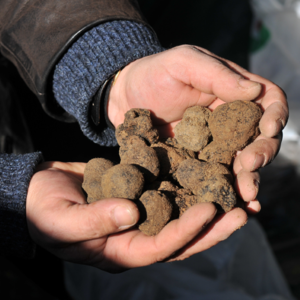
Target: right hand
[{"x": 102, "y": 234}]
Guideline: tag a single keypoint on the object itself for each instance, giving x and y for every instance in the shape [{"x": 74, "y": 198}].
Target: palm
[
  {"x": 167, "y": 87},
  {"x": 60, "y": 220},
  {"x": 169, "y": 82}
]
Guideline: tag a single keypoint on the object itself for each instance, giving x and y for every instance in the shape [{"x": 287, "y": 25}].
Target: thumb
[
  {"x": 75, "y": 222},
  {"x": 215, "y": 76},
  {"x": 102, "y": 218},
  {"x": 114, "y": 215}
]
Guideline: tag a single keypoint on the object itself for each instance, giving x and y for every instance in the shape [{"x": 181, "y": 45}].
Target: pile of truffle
[{"x": 167, "y": 177}]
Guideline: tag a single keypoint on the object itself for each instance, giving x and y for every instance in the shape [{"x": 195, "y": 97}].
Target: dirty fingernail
[
  {"x": 258, "y": 162},
  {"x": 256, "y": 184},
  {"x": 123, "y": 217}
]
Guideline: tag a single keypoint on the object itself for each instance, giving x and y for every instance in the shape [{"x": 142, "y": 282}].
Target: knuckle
[{"x": 95, "y": 224}]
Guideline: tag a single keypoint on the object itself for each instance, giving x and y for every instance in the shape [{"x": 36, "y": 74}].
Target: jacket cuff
[
  {"x": 95, "y": 56},
  {"x": 15, "y": 174}
]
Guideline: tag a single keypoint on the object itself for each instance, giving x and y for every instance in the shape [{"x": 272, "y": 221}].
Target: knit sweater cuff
[
  {"x": 15, "y": 174},
  {"x": 95, "y": 56}
]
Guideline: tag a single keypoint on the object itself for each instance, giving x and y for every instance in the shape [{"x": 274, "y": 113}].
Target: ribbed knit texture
[
  {"x": 15, "y": 174},
  {"x": 95, "y": 56}
]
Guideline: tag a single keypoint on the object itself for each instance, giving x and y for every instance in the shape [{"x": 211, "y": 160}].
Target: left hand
[{"x": 169, "y": 82}]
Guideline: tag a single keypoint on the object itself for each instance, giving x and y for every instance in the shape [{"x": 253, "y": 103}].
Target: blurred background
[{"x": 262, "y": 36}]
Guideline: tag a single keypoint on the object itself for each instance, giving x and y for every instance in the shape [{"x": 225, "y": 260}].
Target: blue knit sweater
[{"x": 88, "y": 63}]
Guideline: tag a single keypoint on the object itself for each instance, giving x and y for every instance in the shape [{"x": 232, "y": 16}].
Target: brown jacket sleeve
[{"x": 34, "y": 35}]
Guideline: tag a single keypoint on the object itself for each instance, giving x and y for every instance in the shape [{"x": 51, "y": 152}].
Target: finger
[
  {"x": 272, "y": 100},
  {"x": 220, "y": 229},
  {"x": 247, "y": 185},
  {"x": 253, "y": 207},
  {"x": 143, "y": 250},
  {"x": 63, "y": 215},
  {"x": 274, "y": 118},
  {"x": 237, "y": 166},
  {"x": 96, "y": 220},
  {"x": 257, "y": 154},
  {"x": 212, "y": 76},
  {"x": 72, "y": 168}
]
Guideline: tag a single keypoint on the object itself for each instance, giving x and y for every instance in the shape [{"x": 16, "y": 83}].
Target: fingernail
[
  {"x": 248, "y": 84},
  {"x": 256, "y": 185},
  {"x": 123, "y": 217},
  {"x": 258, "y": 162},
  {"x": 279, "y": 126},
  {"x": 253, "y": 207}
]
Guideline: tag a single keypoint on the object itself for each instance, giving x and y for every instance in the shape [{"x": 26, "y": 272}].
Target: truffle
[
  {"x": 216, "y": 154},
  {"x": 92, "y": 177},
  {"x": 184, "y": 200},
  {"x": 122, "y": 181},
  {"x": 216, "y": 189},
  {"x": 192, "y": 131},
  {"x": 190, "y": 172},
  {"x": 137, "y": 153},
  {"x": 169, "y": 159},
  {"x": 169, "y": 174},
  {"x": 211, "y": 182},
  {"x": 155, "y": 210},
  {"x": 235, "y": 124},
  {"x": 137, "y": 122}
]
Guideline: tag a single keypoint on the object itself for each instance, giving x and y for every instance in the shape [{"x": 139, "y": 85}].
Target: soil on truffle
[
  {"x": 122, "y": 181},
  {"x": 192, "y": 132},
  {"x": 92, "y": 177},
  {"x": 137, "y": 122},
  {"x": 235, "y": 124},
  {"x": 166, "y": 177},
  {"x": 217, "y": 189},
  {"x": 184, "y": 200},
  {"x": 156, "y": 212},
  {"x": 216, "y": 154},
  {"x": 211, "y": 182},
  {"x": 137, "y": 153}
]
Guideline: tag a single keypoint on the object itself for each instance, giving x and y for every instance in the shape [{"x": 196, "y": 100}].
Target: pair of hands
[{"x": 101, "y": 234}]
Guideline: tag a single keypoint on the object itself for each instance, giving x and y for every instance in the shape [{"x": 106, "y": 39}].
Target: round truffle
[
  {"x": 92, "y": 177},
  {"x": 190, "y": 172},
  {"x": 122, "y": 181}
]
